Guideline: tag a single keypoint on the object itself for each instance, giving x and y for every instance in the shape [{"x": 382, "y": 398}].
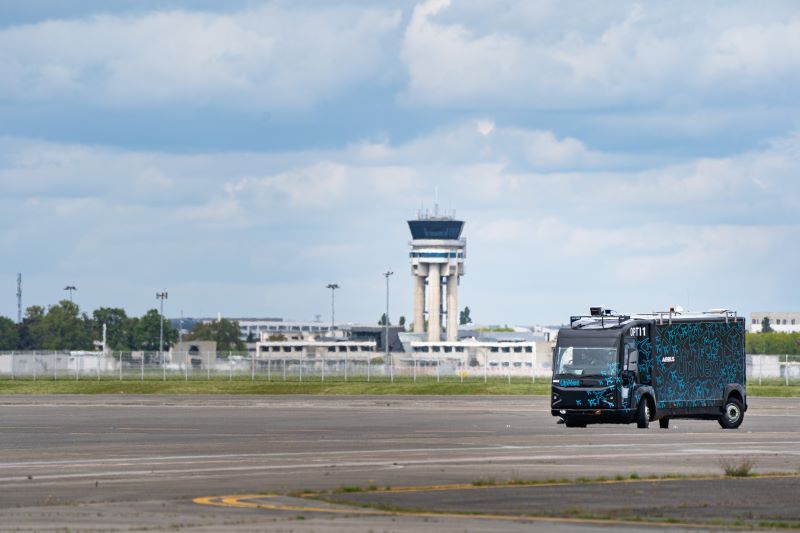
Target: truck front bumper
[{"x": 622, "y": 416}]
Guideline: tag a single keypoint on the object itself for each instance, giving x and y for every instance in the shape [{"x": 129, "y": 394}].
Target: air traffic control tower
[{"x": 437, "y": 263}]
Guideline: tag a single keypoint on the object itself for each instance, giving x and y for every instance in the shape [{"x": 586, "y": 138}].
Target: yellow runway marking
[
  {"x": 238, "y": 502},
  {"x": 267, "y": 502},
  {"x": 470, "y": 486}
]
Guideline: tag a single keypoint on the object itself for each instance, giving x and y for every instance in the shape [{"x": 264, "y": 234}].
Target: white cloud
[
  {"x": 290, "y": 219},
  {"x": 262, "y": 57},
  {"x": 625, "y": 54}
]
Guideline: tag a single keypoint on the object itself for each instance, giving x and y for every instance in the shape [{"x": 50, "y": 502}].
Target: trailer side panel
[{"x": 695, "y": 360}]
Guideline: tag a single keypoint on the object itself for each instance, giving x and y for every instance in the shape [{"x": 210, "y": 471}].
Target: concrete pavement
[{"x": 110, "y": 461}]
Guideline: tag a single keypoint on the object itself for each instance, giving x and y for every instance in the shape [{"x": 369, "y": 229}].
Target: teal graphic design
[
  {"x": 645, "y": 348},
  {"x": 694, "y": 362}
]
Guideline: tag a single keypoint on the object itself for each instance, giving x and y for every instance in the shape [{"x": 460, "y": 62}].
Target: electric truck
[{"x": 638, "y": 368}]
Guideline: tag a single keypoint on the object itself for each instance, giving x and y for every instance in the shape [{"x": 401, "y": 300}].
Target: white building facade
[{"x": 781, "y": 322}]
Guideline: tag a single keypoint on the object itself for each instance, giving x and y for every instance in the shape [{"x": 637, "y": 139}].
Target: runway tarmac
[{"x": 121, "y": 463}]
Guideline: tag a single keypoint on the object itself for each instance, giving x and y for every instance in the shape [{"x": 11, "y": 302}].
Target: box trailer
[{"x": 639, "y": 368}]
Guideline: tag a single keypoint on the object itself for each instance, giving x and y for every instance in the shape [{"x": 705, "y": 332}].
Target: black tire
[
  {"x": 732, "y": 414},
  {"x": 572, "y": 423},
  {"x": 663, "y": 423},
  {"x": 643, "y": 414}
]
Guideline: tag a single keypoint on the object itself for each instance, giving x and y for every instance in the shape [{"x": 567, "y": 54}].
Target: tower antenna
[
  {"x": 19, "y": 298},
  {"x": 436, "y": 202}
]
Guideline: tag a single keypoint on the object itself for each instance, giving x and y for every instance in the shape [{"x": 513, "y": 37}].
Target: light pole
[
  {"x": 333, "y": 287},
  {"x": 386, "y": 331},
  {"x": 70, "y": 288},
  {"x": 162, "y": 296}
]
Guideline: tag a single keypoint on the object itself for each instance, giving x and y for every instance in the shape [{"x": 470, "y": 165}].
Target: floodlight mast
[
  {"x": 162, "y": 296},
  {"x": 70, "y": 288},
  {"x": 19, "y": 298},
  {"x": 386, "y": 325},
  {"x": 333, "y": 287}
]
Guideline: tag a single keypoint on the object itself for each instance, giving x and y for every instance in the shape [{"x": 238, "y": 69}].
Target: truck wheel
[
  {"x": 732, "y": 414},
  {"x": 643, "y": 414},
  {"x": 572, "y": 423},
  {"x": 663, "y": 423}
]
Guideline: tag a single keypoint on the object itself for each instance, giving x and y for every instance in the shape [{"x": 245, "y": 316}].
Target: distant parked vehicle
[{"x": 656, "y": 366}]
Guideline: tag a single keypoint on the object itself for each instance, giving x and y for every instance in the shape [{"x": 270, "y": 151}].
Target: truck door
[{"x": 630, "y": 369}]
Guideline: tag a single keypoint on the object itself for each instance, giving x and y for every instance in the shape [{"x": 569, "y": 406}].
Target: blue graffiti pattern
[
  {"x": 645, "y": 347},
  {"x": 605, "y": 393},
  {"x": 694, "y": 362}
]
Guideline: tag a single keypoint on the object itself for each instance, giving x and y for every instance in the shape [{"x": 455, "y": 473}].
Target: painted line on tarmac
[
  {"x": 239, "y": 501},
  {"x": 399, "y": 463},
  {"x": 470, "y": 486},
  {"x": 126, "y": 461},
  {"x": 246, "y": 502}
]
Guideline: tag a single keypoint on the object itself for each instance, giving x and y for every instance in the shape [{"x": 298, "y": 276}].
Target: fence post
[
  {"x": 230, "y": 369},
  {"x": 368, "y": 364},
  {"x": 34, "y": 366},
  {"x": 142, "y": 360},
  {"x": 760, "y": 368},
  {"x": 414, "y": 359},
  {"x": 345, "y": 366},
  {"x": 301, "y": 369},
  {"x": 208, "y": 364},
  {"x": 508, "y": 372},
  {"x": 485, "y": 368},
  {"x": 284, "y": 368},
  {"x": 55, "y": 372},
  {"x": 120, "y": 364},
  {"x": 533, "y": 366},
  {"x": 252, "y": 366},
  {"x": 323, "y": 366},
  {"x": 13, "y": 374},
  {"x": 269, "y": 366},
  {"x": 786, "y": 369},
  {"x": 438, "y": 364}
]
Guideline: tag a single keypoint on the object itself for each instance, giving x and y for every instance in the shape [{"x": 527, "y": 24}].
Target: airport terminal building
[{"x": 437, "y": 259}]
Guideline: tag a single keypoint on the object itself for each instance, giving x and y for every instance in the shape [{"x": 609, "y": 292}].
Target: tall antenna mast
[
  {"x": 436, "y": 203},
  {"x": 19, "y": 298}
]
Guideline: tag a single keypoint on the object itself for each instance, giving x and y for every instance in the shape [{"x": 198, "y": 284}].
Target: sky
[{"x": 241, "y": 155}]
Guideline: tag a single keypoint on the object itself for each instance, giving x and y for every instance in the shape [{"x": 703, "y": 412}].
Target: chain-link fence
[
  {"x": 290, "y": 366},
  {"x": 287, "y": 366},
  {"x": 773, "y": 369}
]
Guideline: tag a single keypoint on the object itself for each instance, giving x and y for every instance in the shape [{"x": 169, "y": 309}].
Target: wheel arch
[
  {"x": 737, "y": 391},
  {"x": 647, "y": 394}
]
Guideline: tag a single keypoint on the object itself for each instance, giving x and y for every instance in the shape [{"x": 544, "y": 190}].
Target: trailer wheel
[
  {"x": 732, "y": 414},
  {"x": 643, "y": 414},
  {"x": 663, "y": 423}
]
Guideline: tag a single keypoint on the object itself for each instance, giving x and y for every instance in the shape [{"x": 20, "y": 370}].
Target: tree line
[
  {"x": 773, "y": 343},
  {"x": 64, "y": 327}
]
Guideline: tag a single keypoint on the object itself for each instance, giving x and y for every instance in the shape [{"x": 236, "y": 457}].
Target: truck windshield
[{"x": 585, "y": 361}]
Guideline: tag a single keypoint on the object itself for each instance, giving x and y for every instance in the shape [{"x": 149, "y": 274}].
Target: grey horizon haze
[{"x": 243, "y": 155}]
